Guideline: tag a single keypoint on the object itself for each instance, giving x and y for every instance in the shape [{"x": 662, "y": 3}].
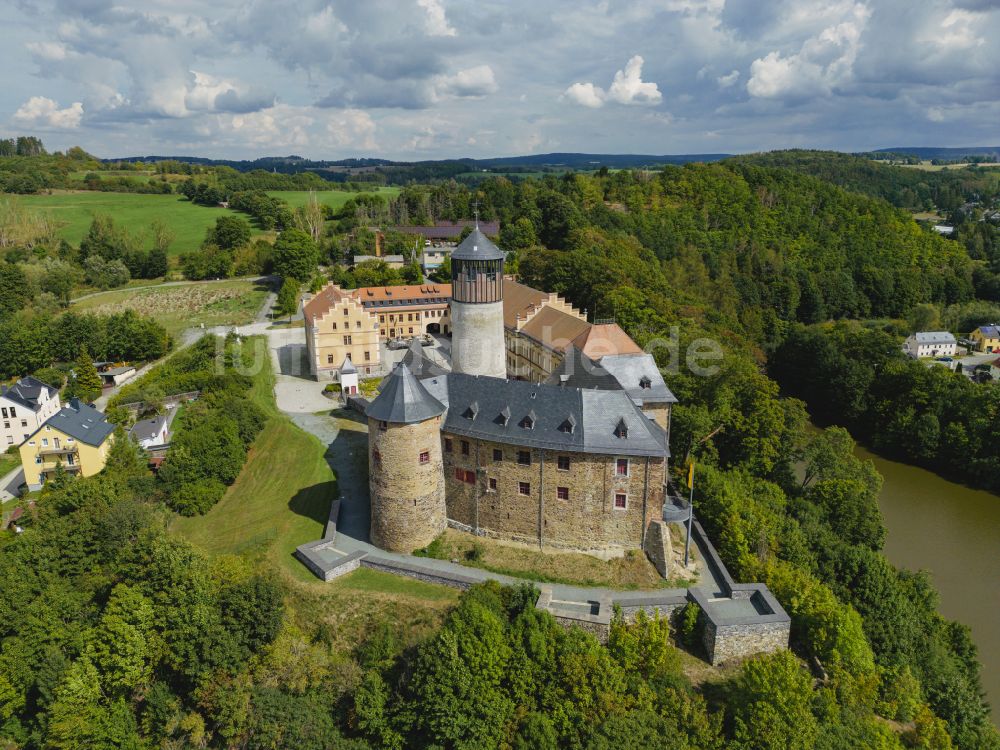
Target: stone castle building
[{"x": 576, "y": 462}]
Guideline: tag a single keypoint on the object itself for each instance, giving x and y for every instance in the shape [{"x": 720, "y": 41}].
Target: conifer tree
[{"x": 87, "y": 384}]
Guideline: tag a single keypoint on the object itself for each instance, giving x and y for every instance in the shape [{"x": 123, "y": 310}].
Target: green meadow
[
  {"x": 73, "y": 212},
  {"x": 333, "y": 198}
]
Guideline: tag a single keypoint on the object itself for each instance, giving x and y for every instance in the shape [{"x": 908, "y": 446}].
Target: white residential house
[
  {"x": 24, "y": 407},
  {"x": 151, "y": 432},
  {"x": 930, "y": 344}
]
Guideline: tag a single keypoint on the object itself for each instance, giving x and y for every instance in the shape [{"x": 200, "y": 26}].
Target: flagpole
[{"x": 687, "y": 541}]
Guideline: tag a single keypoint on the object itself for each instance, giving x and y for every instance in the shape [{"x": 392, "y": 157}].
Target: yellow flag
[{"x": 691, "y": 475}]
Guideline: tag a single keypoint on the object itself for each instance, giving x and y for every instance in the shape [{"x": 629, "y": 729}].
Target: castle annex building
[{"x": 577, "y": 462}]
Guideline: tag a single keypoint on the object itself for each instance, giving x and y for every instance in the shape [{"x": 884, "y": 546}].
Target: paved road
[{"x": 10, "y": 484}]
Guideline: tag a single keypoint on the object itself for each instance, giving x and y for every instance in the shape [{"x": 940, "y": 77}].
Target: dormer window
[
  {"x": 645, "y": 383},
  {"x": 621, "y": 431},
  {"x": 568, "y": 425},
  {"x": 471, "y": 411},
  {"x": 528, "y": 422},
  {"x": 503, "y": 417}
]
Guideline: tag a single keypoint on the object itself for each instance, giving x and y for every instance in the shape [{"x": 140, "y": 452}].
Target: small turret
[{"x": 406, "y": 471}]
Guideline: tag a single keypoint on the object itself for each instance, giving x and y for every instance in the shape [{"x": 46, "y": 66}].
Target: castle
[{"x": 578, "y": 461}]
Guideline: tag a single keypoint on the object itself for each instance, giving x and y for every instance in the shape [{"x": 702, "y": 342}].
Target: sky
[{"x": 430, "y": 79}]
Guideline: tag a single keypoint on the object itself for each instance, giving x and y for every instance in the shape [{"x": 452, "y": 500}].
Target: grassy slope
[
  {"x": 333, "y": 198},
  {"x": 73, "y": 212},
  {"x": 281, "y": 500},
  {"x": 234, "y": 302},
  {"x": 8, "y": 463}
]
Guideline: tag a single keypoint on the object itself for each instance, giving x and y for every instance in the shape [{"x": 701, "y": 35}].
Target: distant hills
[
  {"x": 561, "y": 160},
  {"x": 473, "y": 171}
]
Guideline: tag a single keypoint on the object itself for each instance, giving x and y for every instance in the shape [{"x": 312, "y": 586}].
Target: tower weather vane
[{"x": 475, "y": 211}]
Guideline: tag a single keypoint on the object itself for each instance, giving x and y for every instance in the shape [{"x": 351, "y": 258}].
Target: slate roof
[
  {"x": 27, "y": 392},
  {"x": 403, "y": 400},
  {"x": 348, "y": 367},
  {"x": 630, "y": 370},
  {"x": 448, "y": 230},
  {"x": 420, "y": 364},
  {"x": 148, "y": 428},
  {"x": 933, "y": 337},
  {"x": 990, "y": 332},
  {"x": 81, "y": 422},
  {"x": 477, "y": 246},
  {"x": 615, "y": 372},
  {"x": 496, "y": 410}
]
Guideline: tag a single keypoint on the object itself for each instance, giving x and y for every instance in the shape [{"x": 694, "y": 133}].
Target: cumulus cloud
[
  {"x": 586, "y": 94},
  {"x": 823, "y": 62},
  {"x": 437, "y": 21},
  {"x": 728, "y": 80},
  {"x": 626, "y": 88},
  {"x": 42, "y": 112},
  {"x": 475, "y": 82}
]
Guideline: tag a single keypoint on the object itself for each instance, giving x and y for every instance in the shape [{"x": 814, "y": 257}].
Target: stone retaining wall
[{"x": 420, "y": 572}]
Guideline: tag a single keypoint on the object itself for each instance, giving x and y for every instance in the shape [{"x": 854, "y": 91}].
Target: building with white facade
[
  {"x": 930, "y": 344},
  {"x": 24, "y": 407}
]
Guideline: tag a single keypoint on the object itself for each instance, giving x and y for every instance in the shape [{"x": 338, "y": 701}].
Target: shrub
[
  {"x": 687, "y": 625},
  {"x": 196, "y": 498}
]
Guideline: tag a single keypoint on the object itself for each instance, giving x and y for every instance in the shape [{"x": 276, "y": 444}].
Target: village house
[
  {"x": 77, "y": 437},
  {"x": 930, "y": 344},
  {"x": 24, "y": 408},
  {"x": 151, "y": 433},
  {"x": 986, "y": 339}
]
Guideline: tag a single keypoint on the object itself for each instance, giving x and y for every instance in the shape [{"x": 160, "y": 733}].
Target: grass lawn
[
  {"x": 9, "y": 462},
  {"x": 73, "y": 213},
  {"x": 333, "y": 198},
  {"x": 177, "y": 307},
  {"x": 633, "y": 571},
  {"x": 281, "y": 500}
]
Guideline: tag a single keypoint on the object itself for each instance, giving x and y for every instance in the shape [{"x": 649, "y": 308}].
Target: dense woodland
[
  {"x": 916, "y": 189},
  {"x": 929, "y": 416},
  {"x": 116, "y": 634}
]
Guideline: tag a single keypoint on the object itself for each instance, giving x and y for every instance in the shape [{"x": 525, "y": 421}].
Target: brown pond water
[{"x": 953, "y": 532}]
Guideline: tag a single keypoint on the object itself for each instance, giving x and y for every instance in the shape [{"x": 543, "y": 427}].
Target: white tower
[{"x": 477, "y": 342}]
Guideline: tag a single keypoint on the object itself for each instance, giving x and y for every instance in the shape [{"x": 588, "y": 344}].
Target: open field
[
  {"x": 233, "y": 302},
  {"x": 333, "y": 198},
  {"x": 928, "y": 167},
  {"x": 74, "y": 211}
]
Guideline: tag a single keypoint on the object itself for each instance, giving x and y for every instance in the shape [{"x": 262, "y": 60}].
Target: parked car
[
  {"x": 397, "y": 343},
  {"x": 427, "y": 340}
]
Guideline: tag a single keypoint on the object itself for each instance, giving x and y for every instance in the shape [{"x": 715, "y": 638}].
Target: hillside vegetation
[{"x": 909, "y": 188}]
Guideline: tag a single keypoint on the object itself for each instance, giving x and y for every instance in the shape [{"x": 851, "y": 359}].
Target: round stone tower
[
  {"x": 406, "y": 473},
  {"x": 477, "y": 344}
]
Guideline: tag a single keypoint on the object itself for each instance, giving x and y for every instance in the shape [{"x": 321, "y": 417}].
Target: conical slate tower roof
[
  {"x": 403, "y": 399},
  {"x": 477, "y": 247},
  {"x": 419, "y": 363}
]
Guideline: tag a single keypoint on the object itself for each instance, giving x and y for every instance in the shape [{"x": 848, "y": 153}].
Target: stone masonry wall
[
  {"x": 407, "y": 497},
  {"x": 658, "y": 548},
  {"x": 587, "y": 520},
  {"x": 726, "y": 642}
]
